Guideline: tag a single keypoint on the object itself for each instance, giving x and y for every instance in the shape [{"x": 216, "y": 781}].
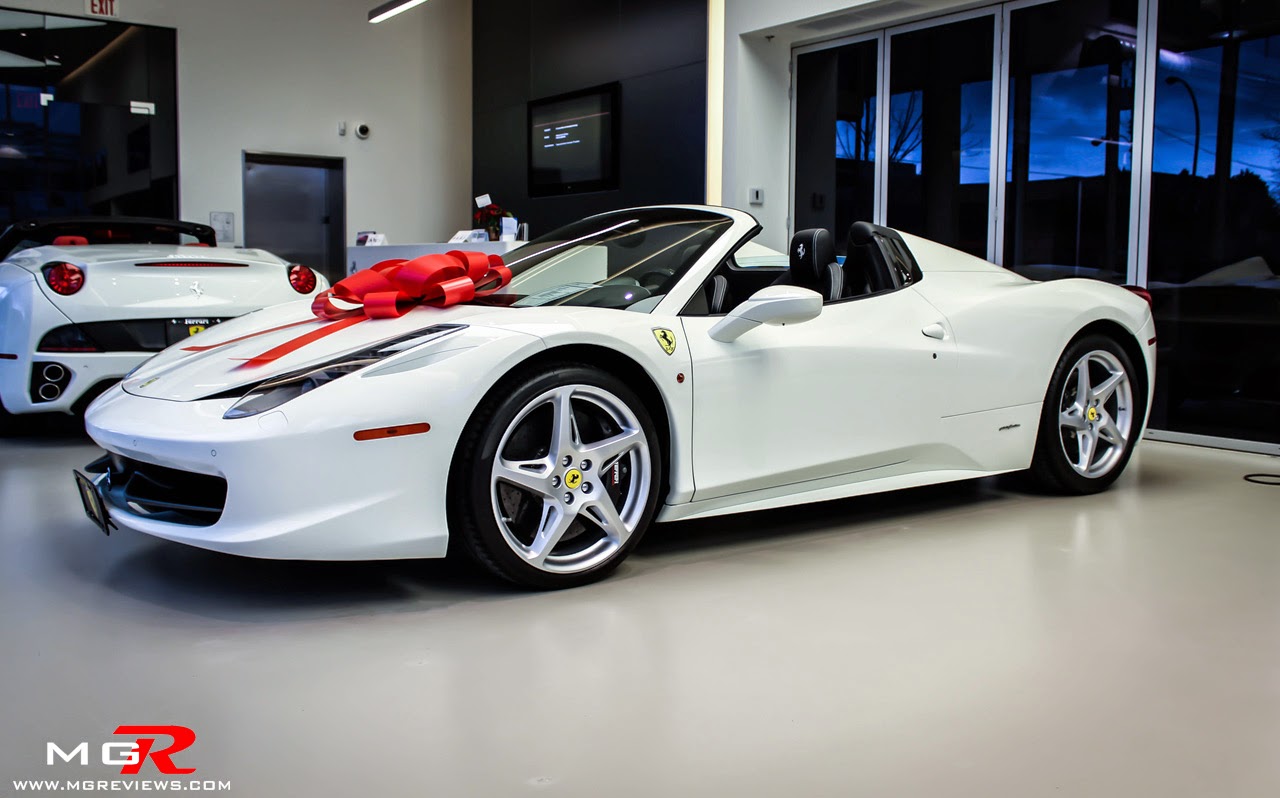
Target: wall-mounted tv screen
[{"x": 573, "y": 142}]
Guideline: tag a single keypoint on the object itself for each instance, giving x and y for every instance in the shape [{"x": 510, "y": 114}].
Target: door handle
[{"x": 935, "y": 330}]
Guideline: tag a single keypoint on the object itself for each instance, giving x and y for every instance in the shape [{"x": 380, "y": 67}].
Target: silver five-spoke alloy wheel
[
  {"x": 1095, "y": 414},
  {"x": 571, "y": 479}
]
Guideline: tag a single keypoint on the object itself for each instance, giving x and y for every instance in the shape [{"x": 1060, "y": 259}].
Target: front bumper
[{"x": 295, "y": 490}]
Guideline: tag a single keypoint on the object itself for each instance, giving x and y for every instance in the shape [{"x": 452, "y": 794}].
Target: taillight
[
  {"x": 64, "y": 278},
  {"x": 68, "y": 338},
  {"x": 302, "y": 279},
  {"x": 1140, "y": 291}
]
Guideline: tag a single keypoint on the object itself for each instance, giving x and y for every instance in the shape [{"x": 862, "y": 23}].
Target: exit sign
[{"x": 102, "y": 8}]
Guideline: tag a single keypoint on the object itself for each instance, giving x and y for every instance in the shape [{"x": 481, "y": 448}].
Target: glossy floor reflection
[{"x": 965, "y": 640}]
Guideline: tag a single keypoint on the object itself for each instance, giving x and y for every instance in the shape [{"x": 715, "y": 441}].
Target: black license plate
[
  {"x": 92, "y": 500},
  {"x": 182, "y": 329}
]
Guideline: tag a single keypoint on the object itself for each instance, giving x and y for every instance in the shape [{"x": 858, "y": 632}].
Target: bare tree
[
  {"x": 905, "y": 127},
  {"x": 856, "y": 138},
  {"x": 1272, "y": 134}
]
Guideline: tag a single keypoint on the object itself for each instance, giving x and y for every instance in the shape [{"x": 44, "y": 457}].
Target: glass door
[
  {"x": 1070, "y": 101},
  {"x": 939, "y": 144},
  {"x": 1213, "y": 265},
  {"x": 835, "y": 137}
]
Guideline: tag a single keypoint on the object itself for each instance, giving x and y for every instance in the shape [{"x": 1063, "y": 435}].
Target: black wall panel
[{"x": 531, "y": 49}]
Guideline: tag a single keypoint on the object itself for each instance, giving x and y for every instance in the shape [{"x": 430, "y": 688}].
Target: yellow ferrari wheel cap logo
[
  {"x": 572, "y": 479},
  {"x": 1092, "y": 414},
  {"x": 666, "y": 339}
]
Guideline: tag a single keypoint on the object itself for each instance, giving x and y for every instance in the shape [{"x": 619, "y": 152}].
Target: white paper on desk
[
  {"x": 509, "y": 227},
  {"x": 460, "y": 237}
]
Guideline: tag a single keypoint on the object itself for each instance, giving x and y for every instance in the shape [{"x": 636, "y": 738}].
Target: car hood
[{"x": 222, "y": 358}]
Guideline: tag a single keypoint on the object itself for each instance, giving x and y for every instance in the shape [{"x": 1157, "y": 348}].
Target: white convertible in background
[
  {"x": 632, "y": 370},
  {"x": 84, "y": 301}
]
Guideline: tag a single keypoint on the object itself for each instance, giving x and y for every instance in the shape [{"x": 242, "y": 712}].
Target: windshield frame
[{"x": 725, "y": 226}]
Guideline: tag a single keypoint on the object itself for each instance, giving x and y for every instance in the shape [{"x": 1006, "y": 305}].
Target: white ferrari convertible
[
  {"x": 636, "y": 366},
  {"x": 84, "y": 301}
]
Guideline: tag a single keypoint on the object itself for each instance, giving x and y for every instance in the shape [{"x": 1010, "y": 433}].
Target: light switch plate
[{"x": 757, "y": 196}]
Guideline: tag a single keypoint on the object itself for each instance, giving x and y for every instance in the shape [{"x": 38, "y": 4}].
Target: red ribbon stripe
[{"x": 389, "y": 290}]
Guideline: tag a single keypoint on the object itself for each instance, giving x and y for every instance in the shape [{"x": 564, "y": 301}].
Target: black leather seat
[{"x": 813, "y": 264}]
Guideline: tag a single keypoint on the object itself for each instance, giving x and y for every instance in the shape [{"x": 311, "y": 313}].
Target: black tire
[
  {"x": 473, "y": 523},
  {"x": 1051, "y": 466},
  {"x": 8, "y": 422}
]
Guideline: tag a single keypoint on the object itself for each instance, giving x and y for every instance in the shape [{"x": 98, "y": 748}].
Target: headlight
[{"x": 272, "y": 393}]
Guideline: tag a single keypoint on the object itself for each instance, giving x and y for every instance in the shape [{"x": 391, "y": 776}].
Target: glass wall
[
  {"x": 1213, "y": 263},
  {"x": 1071, "y": 93},
  {"x": 88, "y": 118},
  {"x": 940, "y": 132},
  {"x": 1133, "y": 150},
  {"x": 836, "y": 93}
]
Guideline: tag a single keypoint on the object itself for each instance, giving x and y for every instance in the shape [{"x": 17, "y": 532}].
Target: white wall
[
  {"x": 759, "y": 35},
  {"x": 278, "y": 76}
]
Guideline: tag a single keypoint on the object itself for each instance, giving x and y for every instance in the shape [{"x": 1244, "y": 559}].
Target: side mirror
[{"x": 776, "y": 304}]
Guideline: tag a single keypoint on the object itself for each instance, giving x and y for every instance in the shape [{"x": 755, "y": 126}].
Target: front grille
[{"x": 163, "y": 494}]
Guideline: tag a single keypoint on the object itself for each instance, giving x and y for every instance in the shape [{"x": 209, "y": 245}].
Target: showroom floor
[{"x": 965, "y": 640}]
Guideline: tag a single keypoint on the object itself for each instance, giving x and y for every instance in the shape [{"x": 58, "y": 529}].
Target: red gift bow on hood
[
  {"x": 394, "y": 287},
  {"x": 388, "y": 290}
]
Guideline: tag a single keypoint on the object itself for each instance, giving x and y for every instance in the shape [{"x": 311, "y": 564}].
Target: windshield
[{"x": 626, "y": 260}]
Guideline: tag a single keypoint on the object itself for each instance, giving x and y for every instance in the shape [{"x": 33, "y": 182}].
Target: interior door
[
  {"x": 294, "y": 208},
  {"x": 851, "y": 393}
]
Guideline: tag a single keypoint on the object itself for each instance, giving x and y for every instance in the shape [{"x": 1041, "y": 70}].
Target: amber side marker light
[{"x": 391, "y": 432}]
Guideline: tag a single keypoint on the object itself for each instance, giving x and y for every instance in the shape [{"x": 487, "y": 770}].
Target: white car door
[{"x": 850, "y": 393}]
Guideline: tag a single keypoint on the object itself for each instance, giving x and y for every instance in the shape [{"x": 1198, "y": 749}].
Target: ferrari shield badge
[{"x": 666, "y": 339}]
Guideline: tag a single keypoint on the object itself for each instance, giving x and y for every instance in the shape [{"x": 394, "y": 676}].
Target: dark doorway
[{"x": 295, "y": 207}]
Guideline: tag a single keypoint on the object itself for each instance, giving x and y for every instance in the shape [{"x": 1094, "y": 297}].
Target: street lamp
[{"x": 1195, "y": 106}]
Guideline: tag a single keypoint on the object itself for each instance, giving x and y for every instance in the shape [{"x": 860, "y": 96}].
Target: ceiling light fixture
[{"x": 389, "y": 10}]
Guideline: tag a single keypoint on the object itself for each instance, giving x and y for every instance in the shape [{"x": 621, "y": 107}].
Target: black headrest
[{"x": 811, "y": 251}]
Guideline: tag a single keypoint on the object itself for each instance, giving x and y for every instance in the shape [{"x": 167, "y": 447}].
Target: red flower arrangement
[{"x": 490, "y": 218}]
